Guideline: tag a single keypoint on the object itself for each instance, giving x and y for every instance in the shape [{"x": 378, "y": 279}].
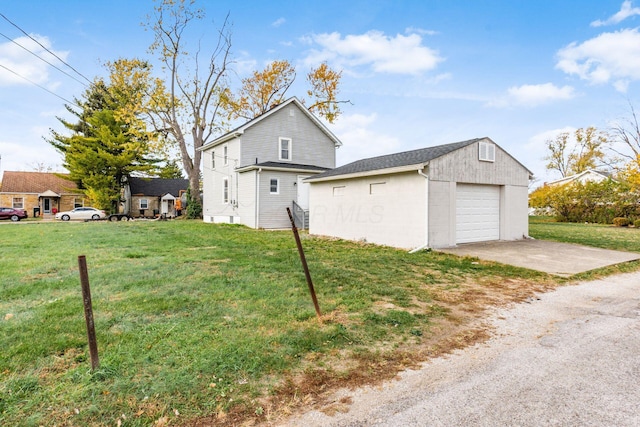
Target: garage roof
[{"x": 389, "y": 161}]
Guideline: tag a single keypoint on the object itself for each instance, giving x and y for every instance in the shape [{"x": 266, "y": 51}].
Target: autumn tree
[
  {"x": 188, "y": 114},
  {"x": 265, "y": 89},
  {"x": 571, "y": 154}
]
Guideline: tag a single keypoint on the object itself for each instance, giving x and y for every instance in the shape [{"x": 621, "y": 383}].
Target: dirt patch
[{"x": 465, "y": 306}]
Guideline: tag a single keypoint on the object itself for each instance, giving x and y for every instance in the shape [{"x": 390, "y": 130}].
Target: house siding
[
  {"x": 272, "y": 207},
  {"x": 310, "y": 146},
  {"x": 384, "y": 209},
  {"x": 246, "y": 198},
  {"x": 214, "y": 210}
]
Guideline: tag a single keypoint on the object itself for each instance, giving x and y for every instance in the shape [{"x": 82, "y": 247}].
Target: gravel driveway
[{"x": 569, "y": 358}]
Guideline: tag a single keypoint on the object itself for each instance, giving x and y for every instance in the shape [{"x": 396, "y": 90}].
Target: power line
[
  {"x": 40, "y": 86},
  {"x": 42, "y": 59},
  {"x": 45, "y": 48}
]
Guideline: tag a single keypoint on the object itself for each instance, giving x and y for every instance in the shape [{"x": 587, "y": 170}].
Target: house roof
[
  {"x": 396, "y": 160},
  {"x": 241, "y": 129},
  {"x": 37, "y": 183},
  {"x": 582, "y": 176},
  {"x": 157, "y": 186},
  {"x": 282, "y": 166}
]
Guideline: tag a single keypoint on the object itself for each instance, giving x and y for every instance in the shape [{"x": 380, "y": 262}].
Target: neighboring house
[
  {"x": 47, "y": 192},
  {"x": 253, "y": 173},
  {"x": 149, "y": 197},
  {"x": 589, "y": 175},
  {"x": 469, "y": 191}
]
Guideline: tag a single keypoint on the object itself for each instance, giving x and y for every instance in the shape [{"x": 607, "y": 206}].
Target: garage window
[{"x": 487, "y": 152}]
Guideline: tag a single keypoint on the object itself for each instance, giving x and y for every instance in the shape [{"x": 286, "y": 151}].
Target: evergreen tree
[{"x": 103, "y": 149}]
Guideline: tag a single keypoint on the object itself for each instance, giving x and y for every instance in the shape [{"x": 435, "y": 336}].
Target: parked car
[
  {"x": 81, "y": 213},
  {"x": 13, "y": 214}
]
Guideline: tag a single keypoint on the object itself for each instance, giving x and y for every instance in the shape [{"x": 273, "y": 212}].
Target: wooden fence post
[{"x": 88, "y": 312}]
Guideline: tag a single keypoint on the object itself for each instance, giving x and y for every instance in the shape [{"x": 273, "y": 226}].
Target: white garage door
[{"x": 477, "y": 213}]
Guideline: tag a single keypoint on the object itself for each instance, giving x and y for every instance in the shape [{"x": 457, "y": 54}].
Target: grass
[
  {"x": 201, "y": 324},
  {"x": 598, "y": 235}
]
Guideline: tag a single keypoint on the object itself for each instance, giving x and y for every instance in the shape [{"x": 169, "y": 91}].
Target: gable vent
[{"x": 486, "y": 152}]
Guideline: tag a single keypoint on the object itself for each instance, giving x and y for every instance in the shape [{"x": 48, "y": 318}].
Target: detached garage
[{"x": 464, "y": 192}]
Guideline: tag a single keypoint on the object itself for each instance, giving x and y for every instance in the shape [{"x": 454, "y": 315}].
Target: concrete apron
[{"x": 560, "y": 259}]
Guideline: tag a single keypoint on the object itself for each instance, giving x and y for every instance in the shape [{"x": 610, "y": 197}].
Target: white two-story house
[{"x": 253, "y": 173}]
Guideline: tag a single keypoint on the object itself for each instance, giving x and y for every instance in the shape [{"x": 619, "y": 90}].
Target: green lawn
[
  {"x": 598, "y": 235},
  {"x": 199, "y": 320}
]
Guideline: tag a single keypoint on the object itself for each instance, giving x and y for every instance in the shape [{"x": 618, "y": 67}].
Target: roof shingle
[{"x": 37, "y": 182}]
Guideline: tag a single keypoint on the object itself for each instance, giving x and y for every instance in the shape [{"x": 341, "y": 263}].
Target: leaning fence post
[
  {"x": 88, "y": 312},
  {"x": 304, "y": 264}
]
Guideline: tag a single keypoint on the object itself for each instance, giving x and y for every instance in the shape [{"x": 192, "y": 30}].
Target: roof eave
[{"x": 385, "y": 171}]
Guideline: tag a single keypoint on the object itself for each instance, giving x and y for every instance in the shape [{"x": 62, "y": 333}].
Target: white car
[{"x": 81, "y": 213}]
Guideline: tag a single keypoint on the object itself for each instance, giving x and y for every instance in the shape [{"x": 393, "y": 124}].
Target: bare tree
[
  {"x": 189, "y": 117},
  {"x": 627, "y": 132}
]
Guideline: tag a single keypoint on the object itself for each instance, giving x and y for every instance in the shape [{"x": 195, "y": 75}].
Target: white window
[
  {"x": 225, "y": 190},
  {"x": 213, "y": 159},
  {"x": 274, "y": 186},
  {"x": 78, "y": 203},
  {"x": 487, "y": 152},
  {"x": 18, "y": 203},
  {"x": 338, "y": 191},
  {"x": 225, "y": 152},
  {"x": 144, "y": 204},
  {"x": 285, "y": 149}
]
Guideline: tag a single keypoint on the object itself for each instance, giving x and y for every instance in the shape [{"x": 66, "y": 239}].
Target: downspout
[
  {"x": 257, "y": 198},
  {"x": 426, "y": 212}
]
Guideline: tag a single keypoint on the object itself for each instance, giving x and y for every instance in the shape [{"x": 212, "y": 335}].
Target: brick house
[{"x": 42, "y": 191}]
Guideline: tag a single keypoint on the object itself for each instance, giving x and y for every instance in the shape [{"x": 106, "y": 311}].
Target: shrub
[
  {"x": 621, "y": 222},
  {"x": 636, "y": 223}
]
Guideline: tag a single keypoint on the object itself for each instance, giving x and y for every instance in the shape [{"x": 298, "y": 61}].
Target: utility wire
[
  {"x": 40, "y": 86},
  {"x": 45, "y": 48},
  {"x": 42, "y": 59}
]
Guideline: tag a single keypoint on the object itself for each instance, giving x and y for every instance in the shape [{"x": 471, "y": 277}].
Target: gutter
[
  {"x": 257, "y": 198},
  {"x": 426, "y": 211}
]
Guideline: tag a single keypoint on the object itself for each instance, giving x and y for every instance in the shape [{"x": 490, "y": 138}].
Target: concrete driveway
[{"x": 561, "y": 259}]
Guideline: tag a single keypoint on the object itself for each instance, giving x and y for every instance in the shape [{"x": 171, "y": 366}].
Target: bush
[
  {"x": 621, "y": 222},
  {"x": 636, "y": 223}
]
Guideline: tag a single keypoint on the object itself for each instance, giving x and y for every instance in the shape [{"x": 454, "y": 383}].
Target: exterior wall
[
  {"x": 310, "y": 146},
  {"x": 514, "y": 212},
  {"x": 214, "y": 209},
  {"x": 393, "y": 215},
  {"x": 463, "y": 166},
  {"x": 247, "y": 182},
  {"x": 442, "y": 214},
  {"x": 153, "y": 205},
  {"x": 272, "y": 207},
  {"x": 30, "y": 201}
]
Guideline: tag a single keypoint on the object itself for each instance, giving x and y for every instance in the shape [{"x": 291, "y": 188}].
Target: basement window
[{"x": 486, "y": 152}]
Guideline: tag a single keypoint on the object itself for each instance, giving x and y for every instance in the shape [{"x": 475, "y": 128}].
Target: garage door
[{"x": 477, "y": 213}]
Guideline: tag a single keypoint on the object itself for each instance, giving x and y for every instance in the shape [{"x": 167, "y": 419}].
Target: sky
[{"x": 417, "y": 73}]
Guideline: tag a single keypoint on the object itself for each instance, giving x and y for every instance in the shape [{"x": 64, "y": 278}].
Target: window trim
[
  {"x": 76, "y": 204},
  {"x": 289, "y": 149},
  {"x": 18, "y": 205},
  {"x": 225, "y": 190},
  {"x": 277, "y": 180},
  {"x": 146, "y": 201}
]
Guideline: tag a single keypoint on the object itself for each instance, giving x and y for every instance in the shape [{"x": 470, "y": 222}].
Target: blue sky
[{"x": 418, "y": 73}]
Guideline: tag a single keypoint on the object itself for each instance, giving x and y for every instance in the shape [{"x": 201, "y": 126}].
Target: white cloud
[
  {"x": 360, "y": 140},
  {"x": 278, "y": 22},
  {"x": 625, "y": 12},
  {"x": 383, "y": 54},
  {"x": 22, "y": 63},
  {"x": 533, "y": 95},
  {"x": 609, "y": 57},
  {"x": 412, "y": 30}
]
